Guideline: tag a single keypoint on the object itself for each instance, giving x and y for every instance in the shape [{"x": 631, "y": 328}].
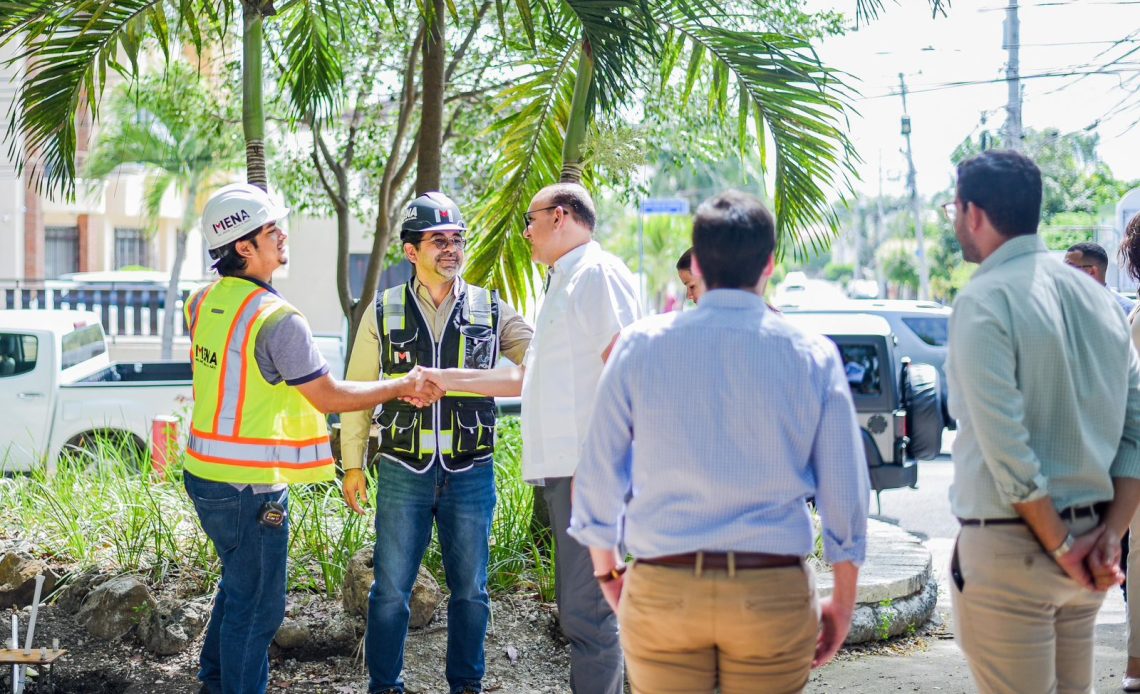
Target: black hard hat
[{"x": 432, "y": 211}]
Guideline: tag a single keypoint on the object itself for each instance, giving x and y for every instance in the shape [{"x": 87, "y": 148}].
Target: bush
[{"x": 118, "y": 518}]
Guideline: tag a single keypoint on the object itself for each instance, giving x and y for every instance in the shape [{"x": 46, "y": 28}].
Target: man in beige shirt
[{"x": 435, "y": 462}]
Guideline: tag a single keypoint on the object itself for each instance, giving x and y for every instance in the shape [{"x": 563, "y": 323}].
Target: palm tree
[
  {"x": 598, "y": 56},
  {"x": 174, "y": 127},
  {"x": 71, "y": 46}
]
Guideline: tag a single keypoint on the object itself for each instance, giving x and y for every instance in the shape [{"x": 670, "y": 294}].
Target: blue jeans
[
  {"x": 250, "y": 603},
  {"x": 461, "y": 504}
]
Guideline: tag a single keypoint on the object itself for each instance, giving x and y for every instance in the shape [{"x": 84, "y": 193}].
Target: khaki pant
[
  {"x": 752, "y": 632},
  {"x": 1024, "y": 625}
]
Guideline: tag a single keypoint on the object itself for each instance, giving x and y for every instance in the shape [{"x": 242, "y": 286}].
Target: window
[
  {"x": 61, "y": 251},
  {"x": 83, "y": 344},
  {"x": 861, "y": 364},
  {"x": 132, "y": 248},
  {"x": 18, "y": 354},
  {"x": 934, "y": 330}
]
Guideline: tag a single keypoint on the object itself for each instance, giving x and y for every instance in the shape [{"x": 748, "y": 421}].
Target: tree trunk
[
  {"x": 252, "y": 107},
  {"x": 580, "y": 117},
  {"x": 170, "y": 306},
  {"x": 430, "y": 152}
]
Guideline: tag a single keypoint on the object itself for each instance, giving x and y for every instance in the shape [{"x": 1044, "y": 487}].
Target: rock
[
  {"x": 18, "y": 580},
  {"x": 293, "y": 634},
  {"x": 342, "y": 632},
  {"x": 426, "y": 594},
  {"x": 114, "y": 608},
  {"x": 357, "y": 583},
  {"x": 75, "y": 592},
  {"x": 172, "y": 626},
  {"x": 880, "y": 621}
]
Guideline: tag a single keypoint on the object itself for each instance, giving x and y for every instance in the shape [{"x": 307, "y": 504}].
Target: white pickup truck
[{"x": 60, "y": 391}]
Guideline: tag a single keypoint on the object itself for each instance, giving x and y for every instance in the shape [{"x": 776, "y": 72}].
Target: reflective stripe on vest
[
  {"x": 393, "y": 309},
  {"x": 194, "y": 306},
  {"x": 244, "y": 453},
  {"x": 227, "y": 418}
]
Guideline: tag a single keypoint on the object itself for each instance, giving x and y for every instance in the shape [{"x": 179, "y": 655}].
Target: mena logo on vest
[
  {"x": 205, "y": 357},
  {"x": 230, "y": 221}
]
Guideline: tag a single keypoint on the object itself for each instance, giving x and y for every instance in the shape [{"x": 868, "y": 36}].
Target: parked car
[
  {"x": 922, "y": 329},
  {"x": 60, "y": 393},
  {"x": 898, "y": 402}
]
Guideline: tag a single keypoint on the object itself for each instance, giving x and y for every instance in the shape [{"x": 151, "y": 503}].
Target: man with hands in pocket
[{"x": 435, "y": 462}]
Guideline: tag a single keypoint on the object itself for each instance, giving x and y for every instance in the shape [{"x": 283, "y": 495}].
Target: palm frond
[
  {"x": 314, "y": 75},
  {"x": 532, "y": 128},
  {"x": 801, "y": 103},
  {"x": 66, "y": 49},
  {"x": 154, "y": 190},
  {"x": 623, "y": 38}
]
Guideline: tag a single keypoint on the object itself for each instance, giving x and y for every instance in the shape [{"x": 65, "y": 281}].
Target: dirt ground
[{"x": 525, "y": 654}]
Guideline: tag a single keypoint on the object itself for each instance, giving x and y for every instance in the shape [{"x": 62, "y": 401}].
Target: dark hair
[
  {"x": 1092, "y": 251},
  {"x": 733, "y": 238},
  {"x": 1130, "y": 247},
  {"x": 1007, "y": 186},
  {"x": 575, "y": 199},
  {"x": 228, "y": 262},
  {"x": 412, "y": 237},
  {"x": 685, "y": 262}
]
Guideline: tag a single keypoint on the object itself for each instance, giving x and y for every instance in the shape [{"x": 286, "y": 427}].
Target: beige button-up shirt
[
  {"x": 1044, "y": 383},
  {"x": 514, "y": 338}
]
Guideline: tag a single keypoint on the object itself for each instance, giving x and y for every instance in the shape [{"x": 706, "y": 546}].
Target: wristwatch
[
  {"x": 1065, "y": 547},
  {"x": 610, "y": 575}
]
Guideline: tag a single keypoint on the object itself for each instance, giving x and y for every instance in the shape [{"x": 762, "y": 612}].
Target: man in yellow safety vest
[{"x": 261, "y": 390}]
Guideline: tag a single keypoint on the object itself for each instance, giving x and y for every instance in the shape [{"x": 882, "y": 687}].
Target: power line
[
  {"x": 1062, "y": 3},
  {"x": 973, "y": 83}
]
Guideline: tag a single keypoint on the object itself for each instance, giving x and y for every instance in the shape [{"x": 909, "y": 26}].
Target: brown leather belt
[{"x": 725, "y": 560}]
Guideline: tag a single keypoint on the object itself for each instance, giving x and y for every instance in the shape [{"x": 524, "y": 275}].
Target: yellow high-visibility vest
[{"x": 243, "y": 429}]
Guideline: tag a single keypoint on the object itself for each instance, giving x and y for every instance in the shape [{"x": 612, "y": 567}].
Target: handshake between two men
[{"x": 423, "y": 387}]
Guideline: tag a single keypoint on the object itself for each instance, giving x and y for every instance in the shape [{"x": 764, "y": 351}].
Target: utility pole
[
  {"x": 1012, "y": 39},
  {"x": 879, "y": 276},
  {"x": 916, "y": 211}
]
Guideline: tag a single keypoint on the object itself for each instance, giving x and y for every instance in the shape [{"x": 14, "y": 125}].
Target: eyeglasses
[
  {"x": 950, "y": 209},
  {"x": 528, "y": 218},
  {"x": 442, "y": 243}
]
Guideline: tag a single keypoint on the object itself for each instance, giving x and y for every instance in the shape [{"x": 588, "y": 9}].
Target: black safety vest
[{"x": 459, "y": 429}]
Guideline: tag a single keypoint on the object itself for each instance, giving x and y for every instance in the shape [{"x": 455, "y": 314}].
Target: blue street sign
[{"x": 652, "y": 206}]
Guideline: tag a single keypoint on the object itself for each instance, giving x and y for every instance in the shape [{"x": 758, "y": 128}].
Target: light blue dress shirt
[
  {"x": 738, "y": 418},
  {"x": 1044, "y": 383}
]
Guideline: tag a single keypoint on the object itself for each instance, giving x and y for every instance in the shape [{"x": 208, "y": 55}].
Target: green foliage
[
  {"x": 839, "y": 272},
  {"x": 901, "y": 267},
  {"x": 1074, "y": 178},
  {"x": 172, "y": 124},
  {"x": 109, "y": 513},
  {"x": 887, "y": 616}
]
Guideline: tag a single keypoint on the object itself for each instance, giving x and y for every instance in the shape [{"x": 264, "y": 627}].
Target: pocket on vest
[
  {"x": 398, "y": 430},
  {"x": 474, "y": 430},
  {"x": 479, "y": 346},
  {"x": 403, "y": 356}
]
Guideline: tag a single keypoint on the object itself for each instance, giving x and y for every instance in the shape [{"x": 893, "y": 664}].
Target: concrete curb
[{"x": 895, "y": 591}]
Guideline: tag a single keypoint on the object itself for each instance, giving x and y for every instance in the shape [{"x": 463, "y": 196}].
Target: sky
[{"x": 1057, "y": 36}]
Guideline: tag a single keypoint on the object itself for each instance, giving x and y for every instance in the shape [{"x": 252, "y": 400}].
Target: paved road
[{"x": 940, "y": 666}]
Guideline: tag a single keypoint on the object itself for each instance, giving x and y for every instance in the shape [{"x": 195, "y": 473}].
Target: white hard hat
[{"x": 235, "y": 210}]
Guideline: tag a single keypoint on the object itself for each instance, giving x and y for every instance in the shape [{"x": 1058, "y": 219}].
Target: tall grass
[{"x": 107, "y": 509}]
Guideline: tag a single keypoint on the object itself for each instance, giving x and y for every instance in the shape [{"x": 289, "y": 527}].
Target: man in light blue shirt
[
  {"x": 712, "y": 501},
  {"x": 1045, "y": 386}
]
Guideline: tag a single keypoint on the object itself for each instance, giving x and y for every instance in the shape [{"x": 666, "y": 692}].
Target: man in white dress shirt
[{"x": 590, "y": 297}]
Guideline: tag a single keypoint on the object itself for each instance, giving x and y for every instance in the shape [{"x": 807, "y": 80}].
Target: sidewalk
[{"x": 939, "y": 665}]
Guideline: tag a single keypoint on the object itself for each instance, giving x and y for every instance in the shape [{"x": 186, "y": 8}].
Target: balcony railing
[{"x": 124, "y": 308}]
